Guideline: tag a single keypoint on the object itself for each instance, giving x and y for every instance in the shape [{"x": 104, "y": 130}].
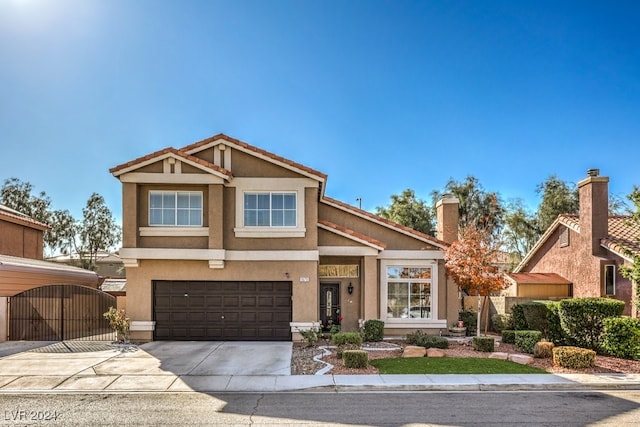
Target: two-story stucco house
[{"x": 225, "y": 241}]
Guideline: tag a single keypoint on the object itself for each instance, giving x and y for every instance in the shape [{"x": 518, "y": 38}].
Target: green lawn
[{"x": 451, "y": 365}]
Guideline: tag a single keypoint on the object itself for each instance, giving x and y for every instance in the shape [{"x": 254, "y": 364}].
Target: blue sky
[{"x": 379, "y": 95}]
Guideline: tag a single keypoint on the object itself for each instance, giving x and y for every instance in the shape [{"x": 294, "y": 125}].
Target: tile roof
[
  {"x": 353, "y": 234},
  {"x": 394, "y": 225},
  {"x": 14, "y": 216},
  {"x": 250, "y": 148},
  {"x": 169, "y": 150},
  {"x": 538, "y": 279},
  {"x": 624, "y": 235}
]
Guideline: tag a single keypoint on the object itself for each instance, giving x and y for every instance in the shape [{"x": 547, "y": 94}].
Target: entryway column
[{"x": 369, "y": 283}]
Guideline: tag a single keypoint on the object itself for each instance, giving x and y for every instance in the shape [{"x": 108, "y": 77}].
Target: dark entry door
[{"x": 329, "y": 305}]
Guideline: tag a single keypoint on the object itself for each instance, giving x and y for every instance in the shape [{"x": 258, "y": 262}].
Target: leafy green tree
[
  {"x": 97, "y": 231},
  {"x": 558, "y": 197},
  {"x": 408, "y": 210},
  {"x": 478, "y": 208},
  {"x": 632, "y": 272},
  {"x": 520, "y": 232},
  {"x": 19, "y": 196}
]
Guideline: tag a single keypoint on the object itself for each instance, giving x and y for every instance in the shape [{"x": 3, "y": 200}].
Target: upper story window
[
  {"x": 270, "y": 209},
  {"x": 175, "y": 208}
]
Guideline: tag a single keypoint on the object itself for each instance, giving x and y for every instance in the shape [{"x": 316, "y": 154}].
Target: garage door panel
[{"x": 222, "y": 310}]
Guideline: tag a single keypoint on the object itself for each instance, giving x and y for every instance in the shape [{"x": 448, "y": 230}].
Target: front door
[{"x": 329, "y": 305}]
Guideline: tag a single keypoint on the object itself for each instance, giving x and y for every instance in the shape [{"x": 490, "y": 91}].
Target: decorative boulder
[
  {"x": 522, "y": 359},
  {"x": 499, "y": 355},
  {"x": 435, "y": 352},
  {"x": 414, "y": 351}
]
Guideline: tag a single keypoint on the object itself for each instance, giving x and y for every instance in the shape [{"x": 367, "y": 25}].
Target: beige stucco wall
[{"x": 140, "y": 289}]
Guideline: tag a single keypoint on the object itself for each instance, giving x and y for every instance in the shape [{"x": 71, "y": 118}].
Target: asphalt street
[{"x": 327, "y": 409}]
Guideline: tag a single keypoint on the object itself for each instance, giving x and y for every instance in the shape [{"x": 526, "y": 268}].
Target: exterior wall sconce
[{"x": 350, "y": 288}]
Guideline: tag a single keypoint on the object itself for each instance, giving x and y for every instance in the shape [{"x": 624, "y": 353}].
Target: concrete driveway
[{"x": 154, "y": 358}]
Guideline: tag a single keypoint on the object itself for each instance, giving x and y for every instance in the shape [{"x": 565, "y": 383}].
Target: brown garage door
[{"x": 230, "y": 311}]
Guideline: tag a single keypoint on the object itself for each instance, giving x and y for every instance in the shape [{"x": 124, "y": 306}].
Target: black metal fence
[{"x": 60, "y": 312}]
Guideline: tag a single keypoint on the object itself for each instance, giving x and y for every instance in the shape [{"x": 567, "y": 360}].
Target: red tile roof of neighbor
[
  {"x": 178, "y": 153},
  {"x": 194, "y": 148},
  {"x": 387, "y": 222},
  {"x": 624, "y": 235},
  {"x": 538, "y": 279},
  {"x": 355, "y": 234},
  {"x": 16, "y": 217}
]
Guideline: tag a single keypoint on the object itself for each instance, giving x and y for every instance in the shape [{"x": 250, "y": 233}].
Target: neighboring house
[
  {"x": 107, "y": 264},
  {"x": 223, "y": 240},
  {"x": 580, "y": 255},
  {"x": 21, "y": 266}
]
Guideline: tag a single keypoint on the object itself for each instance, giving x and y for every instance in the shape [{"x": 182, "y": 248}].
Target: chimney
[
  {"x": 594, "y": 210},
  {"x": 447, "y": 218}
]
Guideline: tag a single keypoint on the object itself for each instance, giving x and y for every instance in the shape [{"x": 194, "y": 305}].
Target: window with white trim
[
  {"x": 175, "y": 208},
  {"x": 270, "y": 209},
  {"x": 610, "y": 279},
  {"x": 408, "y": 292}
]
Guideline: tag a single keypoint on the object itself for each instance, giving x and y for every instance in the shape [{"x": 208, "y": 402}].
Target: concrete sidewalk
[{"x": 239, "y": 367}]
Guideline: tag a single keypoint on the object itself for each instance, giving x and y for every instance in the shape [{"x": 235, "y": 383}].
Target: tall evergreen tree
[{"x": 410, "y": 211}]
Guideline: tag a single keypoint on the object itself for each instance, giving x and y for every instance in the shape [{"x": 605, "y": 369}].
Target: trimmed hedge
[
  {"x": 470, "y": 319},
  {"x": 621, "y": 337},
  {"x": 484, "y": 344},
  {"x": 574, "y": 357},
  {"x": 582, "y": 319},
  {"x": 509, "y": 336},
  {"x": 526, "y": 340},
  {"x": 373, "y": 330},
  {"x": 556, "y": 334},
  {"x": 501, "y": 322},
  {"x": 519, "y": 322},
  {"x": 355, "y": 358},
  {"x": 535, "y": 313},
  {"x": 422, "y": 339},
  {"x": 342, "y": 338}
]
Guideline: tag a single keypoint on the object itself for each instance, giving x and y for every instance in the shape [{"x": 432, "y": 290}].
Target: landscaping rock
[
  {"x": 435, "y": 352},
  {"x": 499, "y": 355},
  {"x": 522, "y": 359},
  {"x": 414, "y": 351}
]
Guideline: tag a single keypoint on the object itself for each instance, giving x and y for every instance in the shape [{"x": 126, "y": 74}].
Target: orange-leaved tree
[{"x": 472, "y": 261}]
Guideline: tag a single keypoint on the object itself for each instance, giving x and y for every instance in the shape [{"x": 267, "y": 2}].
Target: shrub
[
  {"x": 535, "y": 313},
  {"x": 311, "y": 335},
  {"x": 556, "y": 334},
  {"x": 582, "y": 319},
  {"x": 484, "y": 344},
  {"x": 346, "y": 341},
  {"x": 621, "y": 337},
  {"x": 470, "y": 319},
  {"x": 119, "y": 322},
  {"x": 509, "y": 336},
  {"x": 373, "y": 330},
  {"x": 501, "y": 322},
  {"x": 355, "y": 358},
  {"x": 574, "y": 357},
  {"x": 519, "y": 322},
  {"x": 543, "y": 349},
  {"x": 526, "y": 340},
  {"x": 425, "y": 340}
]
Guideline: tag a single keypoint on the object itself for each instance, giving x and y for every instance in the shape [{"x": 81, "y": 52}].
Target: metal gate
[{"x": 60, "y": 312}]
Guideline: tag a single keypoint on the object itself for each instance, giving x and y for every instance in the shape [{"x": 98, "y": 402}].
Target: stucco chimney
[
  {"x": 594, "y": 210},
  {"x": 447, "y": 218}
]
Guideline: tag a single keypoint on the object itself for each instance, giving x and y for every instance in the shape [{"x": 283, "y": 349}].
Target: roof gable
[
  {"x": 11, "y": 215},
  {"x": 623, "y": 235},
  {"x": 256, "y": 152},
  {"x": 351, "y": 235},
  {"x": 384, "y": 222},
  {"x": 170, "y": 153}
]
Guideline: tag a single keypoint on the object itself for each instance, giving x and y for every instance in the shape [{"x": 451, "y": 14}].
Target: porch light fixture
[{"x": 350, "y": 288}]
